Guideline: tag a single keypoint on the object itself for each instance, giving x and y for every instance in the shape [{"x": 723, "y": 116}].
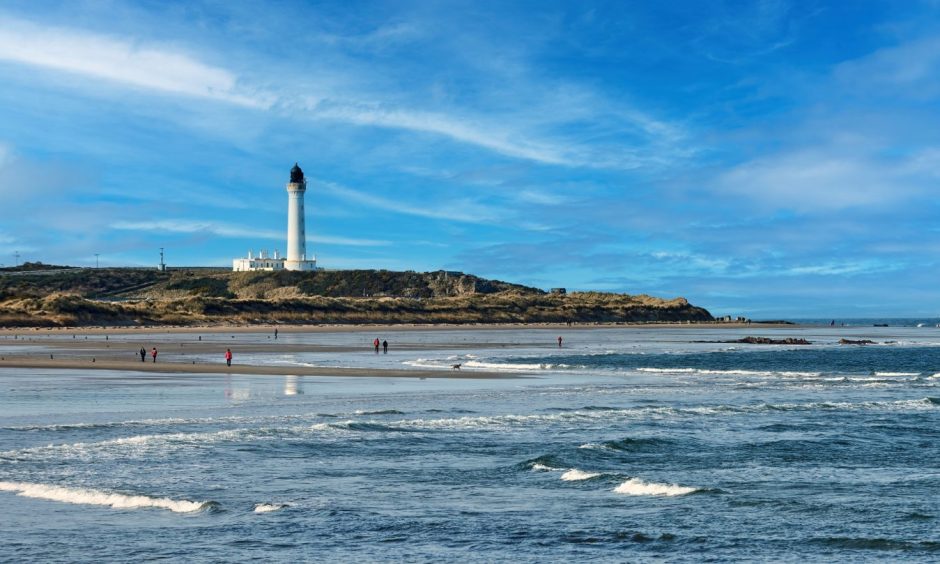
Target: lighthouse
[{"x": 296, "y": 233}]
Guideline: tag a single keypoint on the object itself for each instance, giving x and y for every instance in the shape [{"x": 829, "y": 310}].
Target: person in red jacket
[
  {"x": 153, "y": 353},
  {"x": 228, "y": 357},
  {"x": 375, "y": 343}
]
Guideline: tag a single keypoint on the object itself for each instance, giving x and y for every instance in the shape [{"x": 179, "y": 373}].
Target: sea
[{"x": 626, "y": 444}]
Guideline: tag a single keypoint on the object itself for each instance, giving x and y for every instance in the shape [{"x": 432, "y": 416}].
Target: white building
[
  {"x": 260, "y": 262},
  {"x": 296, "y": 235}
]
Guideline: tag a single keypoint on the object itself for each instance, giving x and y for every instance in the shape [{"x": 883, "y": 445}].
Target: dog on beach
[{"x": 455, "y": 366}]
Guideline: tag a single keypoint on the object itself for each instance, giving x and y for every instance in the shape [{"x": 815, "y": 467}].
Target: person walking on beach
[
  {"x": 153, "y": 353},
  {"x": 143, "y": 354},
  {"x": 228, "y": 357},
  {"x": 376, "y": 344},
  {"x": 559, "y": 341},
  {"x": 385, "y": 346},
  {"x": 275, "y": 333}
]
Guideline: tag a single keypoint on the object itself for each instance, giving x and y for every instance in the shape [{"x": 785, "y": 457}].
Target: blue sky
[{"x": 763, "y": 158}]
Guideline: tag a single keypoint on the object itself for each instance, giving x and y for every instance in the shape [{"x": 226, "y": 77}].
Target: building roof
[{"x": 296, "y": 175}]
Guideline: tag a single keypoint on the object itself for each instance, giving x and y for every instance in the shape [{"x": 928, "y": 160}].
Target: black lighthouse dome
[{"x": 296, "y": 175}]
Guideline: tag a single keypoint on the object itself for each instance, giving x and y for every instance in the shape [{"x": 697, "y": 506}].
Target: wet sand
[
  {"x": 118, "y": 349},
  {"x": 20, "y": 361}
]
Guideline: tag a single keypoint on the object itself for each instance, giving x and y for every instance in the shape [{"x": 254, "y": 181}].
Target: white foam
[
  {"x": 575, "y": 475},
  {"x": 636, "y": 486},
  {"x": 592, "y": 446},
  {"x": 87, "y": 496},
  {"x": 740, "y": 372},
  {"x": 479, "y": 365},
  {"x": 269, "y": 507},
  {"x": 897, "y": 373},
  {"x": 542, "y": 468},
  {"x": 511, "y": 367}
]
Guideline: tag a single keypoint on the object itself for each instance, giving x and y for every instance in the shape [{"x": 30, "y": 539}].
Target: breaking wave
[
  {"x": 715, "y": 372},
  {"x": 636, "y": 486},
  {"x": 536, "y": 467},
  {"x": 575, "y": 475},
  {"x": 87, "y": 496},
  {"x": 269, "y": 507}
]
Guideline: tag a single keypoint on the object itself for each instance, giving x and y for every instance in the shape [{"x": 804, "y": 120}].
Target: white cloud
[
  {"x": 462, "y": 210},
  {"x": 121, "y": 61},
  {"x": 838, "y": 269},
  {"x": 188, "y": 226},
  {"x": 826, "y": 179},
  {"x": 525, "y": 133},
  {"x": 540, "y": 197},
  {"x": 327, "y": 240},
  {"x": 910, "y": 69},
  {"x": 488, "y": 136}
]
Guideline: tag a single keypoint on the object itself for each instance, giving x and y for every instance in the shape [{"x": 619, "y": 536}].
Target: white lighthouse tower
[{"x": 296, "y": 234}]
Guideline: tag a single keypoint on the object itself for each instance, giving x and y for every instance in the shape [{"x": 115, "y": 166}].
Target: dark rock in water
[
  {"x": 763, "y": 341},
  {"x": 859, "y": 342},
  {"x": 769, "y": 341}
]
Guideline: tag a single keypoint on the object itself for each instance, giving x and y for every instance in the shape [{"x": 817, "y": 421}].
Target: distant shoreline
[{"x": 363, "y": 327}]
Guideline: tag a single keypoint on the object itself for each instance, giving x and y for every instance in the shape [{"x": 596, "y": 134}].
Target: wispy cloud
[
  {"x": 541, "y": 134},
  {"x": 828, "y": 178},
  {"x": 488, "y": 136},
  {"x": 188, "y": 226},
  {"x": 121, "y": 61},
  {"x": 235, "y": 232},
  {"x": 910, "y": 69},
  {"x": 462, "y": 210}
]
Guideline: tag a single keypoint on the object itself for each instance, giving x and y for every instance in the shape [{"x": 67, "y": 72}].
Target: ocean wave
[
  {"x": 731, "y": 372},
  {"x": 897, "y": 373},
  {"x": 480, "y": 365},
  {"x": 269, "y": 507},
  {"x": 593, "y": 446},
  {"x": 168, "y": 422},
  {"x": 538, "y": 467},
  {"x": 380, "y": 412},
  {"x": 368, "y": 426},
  {"x": 636, "y": 486},
  {"x": 85, "y": 496},
  {"x": 162, "y": 445},
  {"x": 575, "y": 475}
]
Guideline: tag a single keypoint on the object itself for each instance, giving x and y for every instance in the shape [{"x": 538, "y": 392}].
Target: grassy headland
[{"x": 70, "y": 297}]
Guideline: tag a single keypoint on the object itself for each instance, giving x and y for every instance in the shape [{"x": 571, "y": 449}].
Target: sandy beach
[
  {"x": 117, "y": 348},
  {"x": 19, "y": 361}
]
